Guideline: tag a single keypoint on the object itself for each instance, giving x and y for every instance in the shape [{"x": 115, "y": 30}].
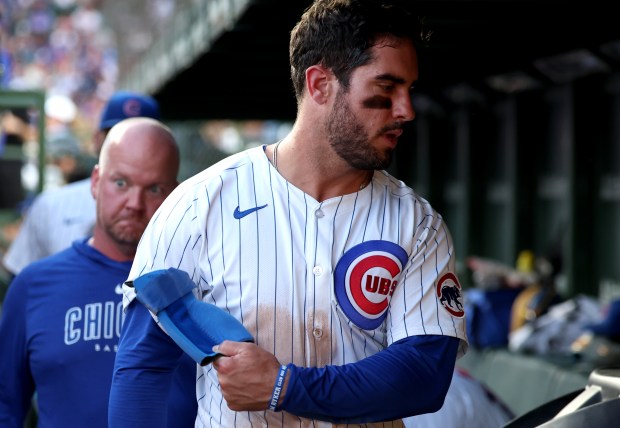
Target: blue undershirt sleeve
[
  {"x": 143, "y": 371},
  {"x": 410, "y": 377},
  {"x": 16, "y": 382}
]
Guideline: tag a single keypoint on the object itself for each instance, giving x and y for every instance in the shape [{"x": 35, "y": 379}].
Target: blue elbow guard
[{"x": 194, "y": 325}]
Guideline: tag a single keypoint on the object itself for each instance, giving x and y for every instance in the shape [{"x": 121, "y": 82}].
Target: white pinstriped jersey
[
  {"x": 316, "y": 283},
  {"x": 56, "y": 218}
]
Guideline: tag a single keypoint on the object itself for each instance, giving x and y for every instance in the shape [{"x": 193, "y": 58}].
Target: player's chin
[
  {"x": 129, "y": 234},
  {"x": 383, "y": 158},
  {"x": 387, "y": 145}
]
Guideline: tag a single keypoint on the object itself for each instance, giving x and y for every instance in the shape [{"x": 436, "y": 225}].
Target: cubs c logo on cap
[
  {"x": 365, "y": 279},
  {"x": 132, "y": 108},
  {"x": 449, "y": 294}
]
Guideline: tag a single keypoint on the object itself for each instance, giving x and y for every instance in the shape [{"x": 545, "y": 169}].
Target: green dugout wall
[
  {"x": 12, "y": 156},
  {"x": 537, "y": 170},
  {"x": 11, "y": 161}
]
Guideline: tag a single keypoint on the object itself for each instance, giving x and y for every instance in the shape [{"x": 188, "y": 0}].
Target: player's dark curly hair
[{"x": 339, "y": 34}]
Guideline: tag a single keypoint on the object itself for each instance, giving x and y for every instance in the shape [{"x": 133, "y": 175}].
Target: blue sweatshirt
[{"x": 59, "y": 331}]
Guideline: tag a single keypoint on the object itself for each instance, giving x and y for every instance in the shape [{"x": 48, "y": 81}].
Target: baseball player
[
  {"x": 62, "y": 316},
  {"x": 57, "y": 217},
  {"x": 342, "y": 274}
]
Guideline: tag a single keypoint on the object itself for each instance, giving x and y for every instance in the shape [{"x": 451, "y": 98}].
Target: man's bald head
[
  {"x": 138, "y": 134},
  {"x": 137, "y": 170}
]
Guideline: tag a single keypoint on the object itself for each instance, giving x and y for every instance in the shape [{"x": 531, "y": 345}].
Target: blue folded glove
[{"x": 194, "y": 325}]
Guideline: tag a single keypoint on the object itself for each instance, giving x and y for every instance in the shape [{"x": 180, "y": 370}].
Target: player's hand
[{"x": 246, "y": 374}]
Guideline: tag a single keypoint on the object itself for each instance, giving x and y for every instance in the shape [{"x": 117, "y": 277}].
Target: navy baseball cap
[{"x": 126, "y": 104}]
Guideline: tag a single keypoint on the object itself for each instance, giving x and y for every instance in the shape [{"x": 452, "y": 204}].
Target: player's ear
[
  {"x": 319, "y": 82},
  {"x": 94, "y": 180}
]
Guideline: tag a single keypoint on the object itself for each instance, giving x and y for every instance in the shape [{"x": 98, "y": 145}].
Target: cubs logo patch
[
  {"x": 449, "y": 294},
  {"x": 365, "y": 279},
  {"x": 132, "y": 108}
]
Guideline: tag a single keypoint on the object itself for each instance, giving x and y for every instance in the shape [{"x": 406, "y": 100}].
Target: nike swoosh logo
[
  {"x": 118, "y": 289},
  {"x": 240, "y": 214}
]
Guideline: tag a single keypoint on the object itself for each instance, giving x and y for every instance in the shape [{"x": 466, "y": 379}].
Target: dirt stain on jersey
[{"x": 279, "y": 333}]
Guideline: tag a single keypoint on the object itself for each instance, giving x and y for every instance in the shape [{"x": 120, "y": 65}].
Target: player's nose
[
  {"x": 135, "y": 199},
  {"x": 403, "y": 108}
]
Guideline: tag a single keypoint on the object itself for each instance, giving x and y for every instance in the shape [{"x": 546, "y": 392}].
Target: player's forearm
[
  {"x": 142, "y": 378},
  {"x": 137, "y": 400},
  {"x": 410, "y": 377}
]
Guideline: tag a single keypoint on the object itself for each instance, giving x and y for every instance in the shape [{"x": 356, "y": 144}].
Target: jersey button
[
  {"x": 319, "y": 213},
  {"x": 317, "y": 332},
  {"x": 317, "y": 270}
]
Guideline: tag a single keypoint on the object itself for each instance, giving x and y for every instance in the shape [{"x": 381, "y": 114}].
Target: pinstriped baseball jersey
[
  {"x": 316, "y": 283},
  {"x": 56, "y": 218}
]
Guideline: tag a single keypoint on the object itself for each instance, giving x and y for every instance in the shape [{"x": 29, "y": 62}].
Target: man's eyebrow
[
  {"x": 387, "y": 77},
  {"x": 390, "y": 77}
]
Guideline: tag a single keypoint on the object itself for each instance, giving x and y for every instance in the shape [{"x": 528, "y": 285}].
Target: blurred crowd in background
[
  {"x": 74, "y": 50},
  {"x": 64, "y": 47},
  {"x": 71, "y": 47}
]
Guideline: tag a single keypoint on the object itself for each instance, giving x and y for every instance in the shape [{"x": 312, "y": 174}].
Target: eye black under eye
[{"x": 377, "y": 102}]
